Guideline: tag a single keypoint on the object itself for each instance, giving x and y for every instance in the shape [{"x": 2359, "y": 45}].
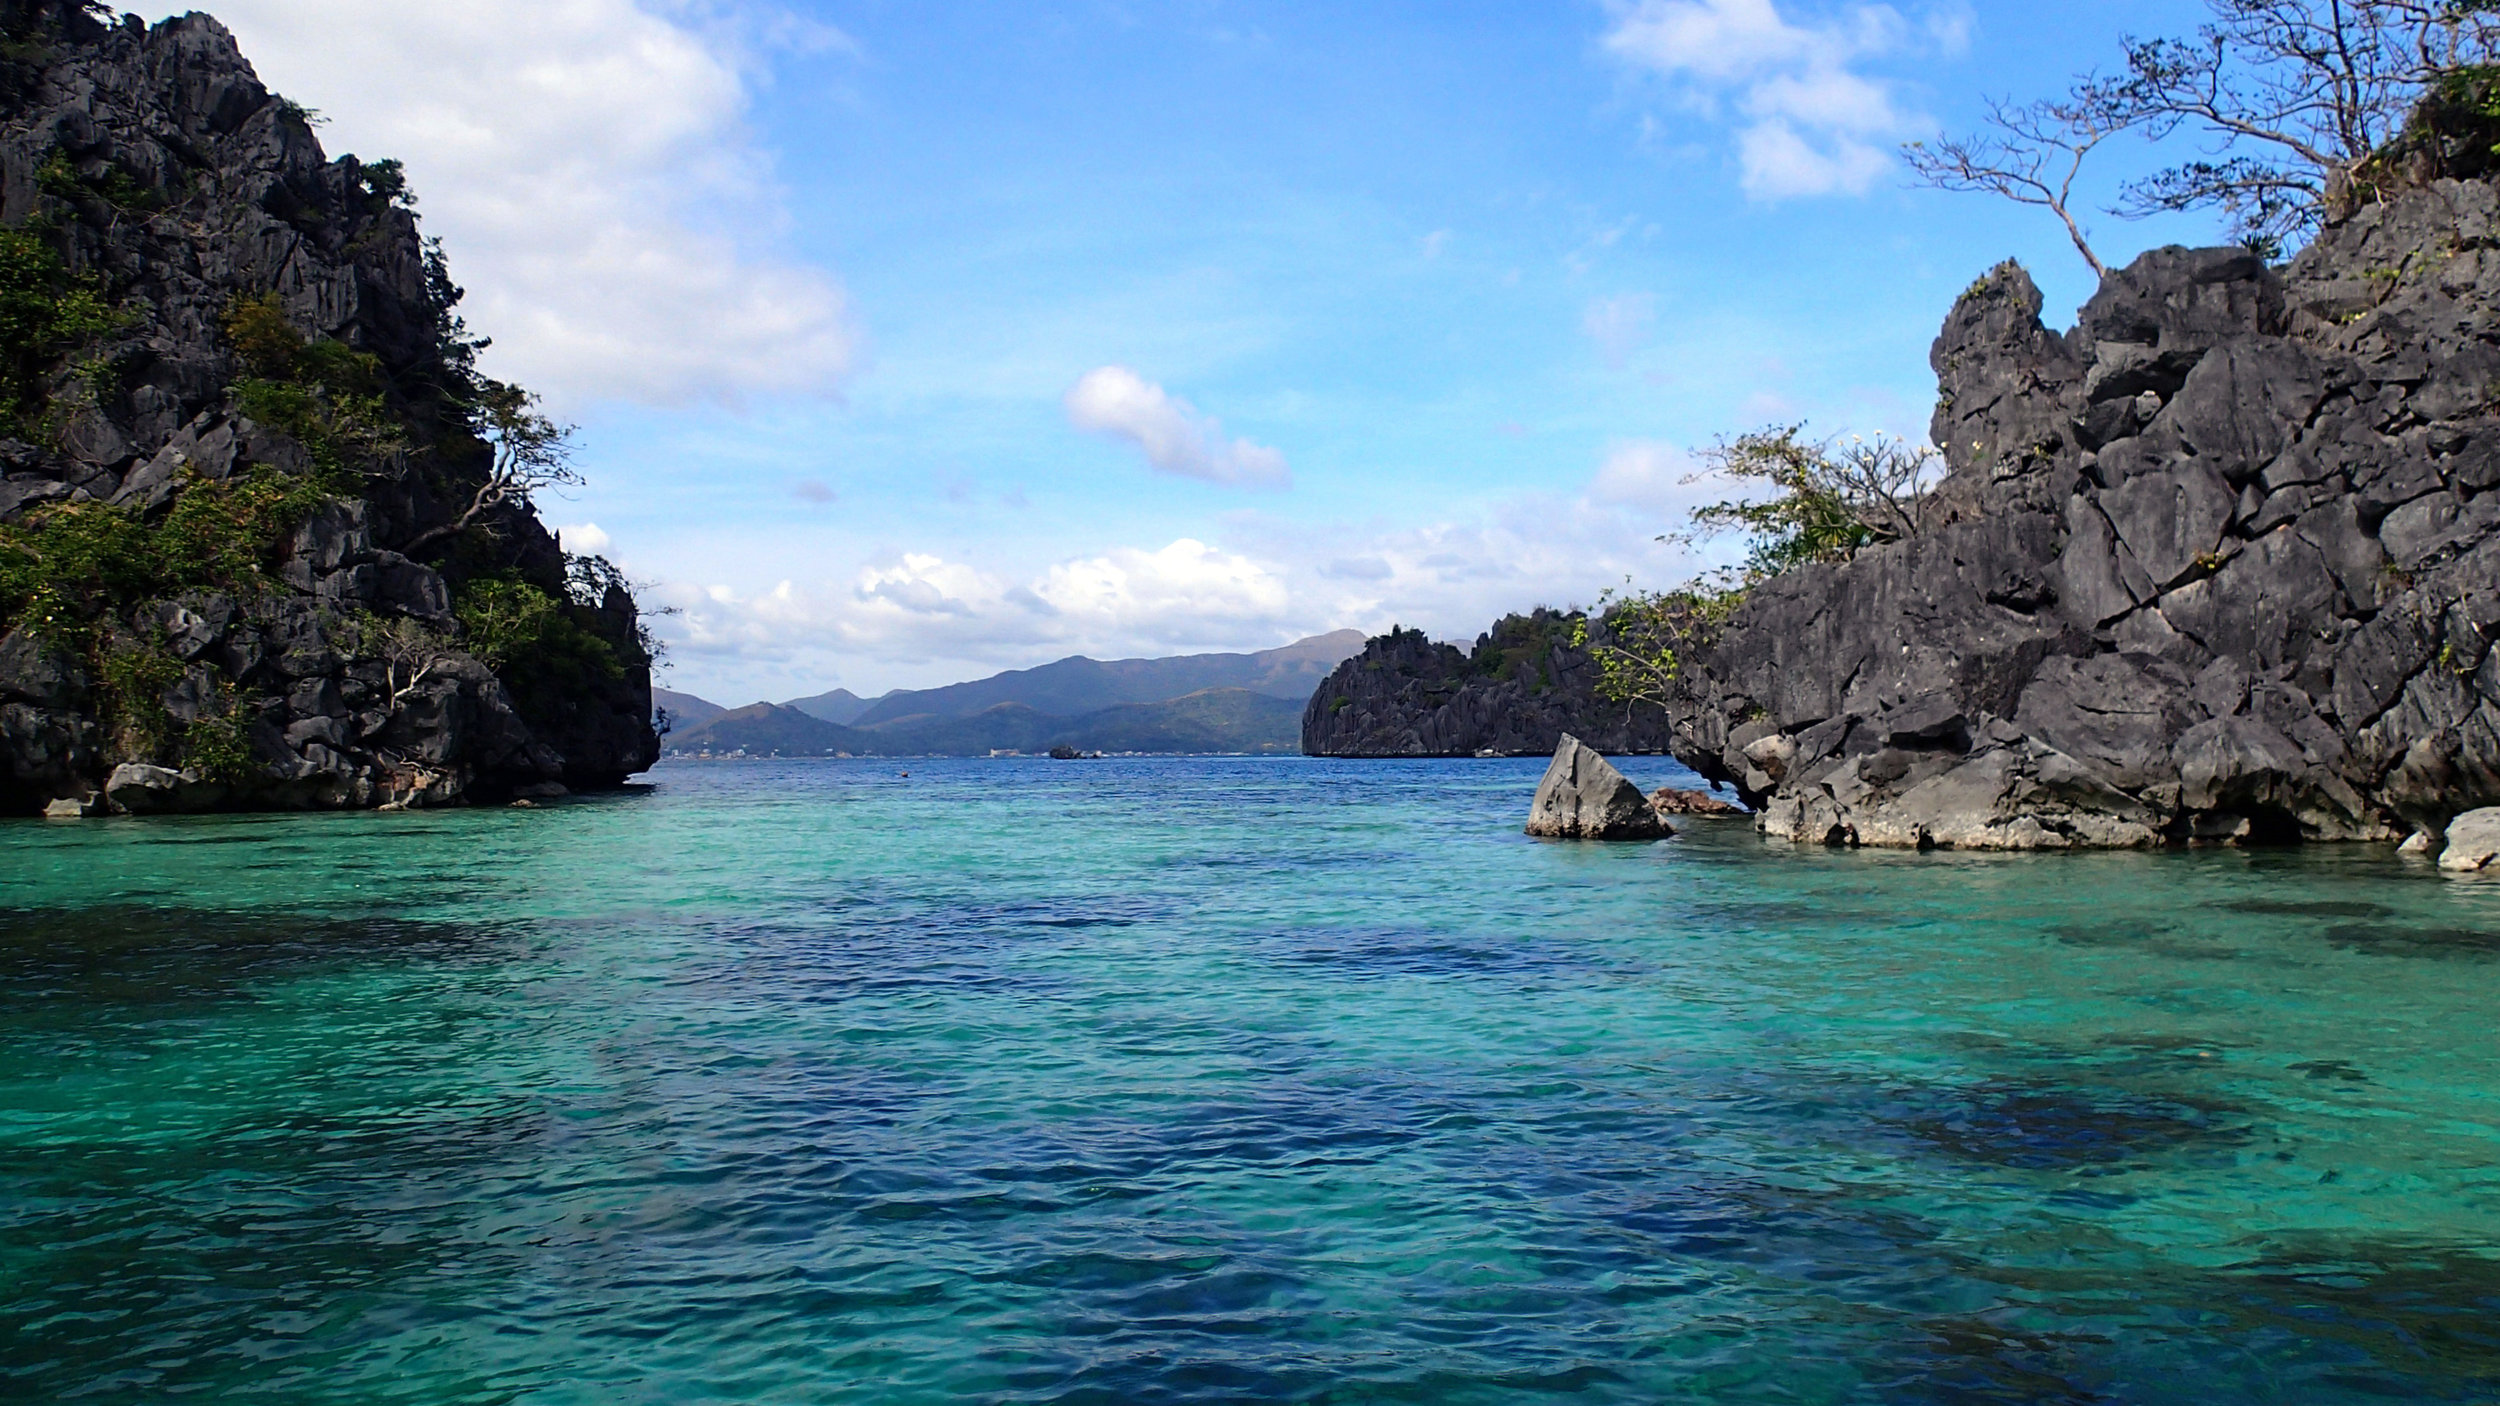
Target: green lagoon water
[{"x": 1218, "y": 1081}]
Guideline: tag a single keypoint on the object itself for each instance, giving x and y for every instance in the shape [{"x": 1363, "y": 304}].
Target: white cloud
[
  {"x": 1620, "y": 325},
  {"x": 919, "y": 606},
  {"x": 1812, "y": 123},
  {"x": 587, "y": 165},
  {"x": 1176, "y": 439},
  {"x": 919, "y": 618},
  {"x": 584, "y": 539}
]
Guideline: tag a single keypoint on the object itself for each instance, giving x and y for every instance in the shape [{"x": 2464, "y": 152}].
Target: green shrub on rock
[
  {"x": 531, "y": 640},
  {"x": 65, "y": 569},
  {"x": 46, "y": 313}
]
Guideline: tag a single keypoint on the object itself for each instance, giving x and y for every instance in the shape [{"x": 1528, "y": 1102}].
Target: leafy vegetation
[
  {"x": 46, "y": 314},
  {"x": 385, "y": 184},
  {"x": 134, "y": 671},
  {"x": 115, "y": 187},
  {"x": 1521, "y": 648},
  {"x": 1828, "y": 501},
  {"x": 220, "y": 746},
  {"x": 531, "y": 453},
  {"x": 322, "y": 393},
  {"x": 532, "y": 641},
  {"x": 76, "y": 574},
  {"x": 66, "y": 570},
  {"x": 1642, "y": 639}
]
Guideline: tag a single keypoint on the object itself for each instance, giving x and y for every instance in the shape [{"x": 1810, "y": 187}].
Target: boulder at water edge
[
  {"x": 2473, "y": 842},
  {"x": 1584, "y": 798}
]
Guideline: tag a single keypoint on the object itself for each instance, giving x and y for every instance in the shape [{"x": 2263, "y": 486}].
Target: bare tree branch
[
  {"x": 2298, "y": 101},
  {"x": 2030, "y": 155},
  {"x": 2318, "y": 86},
  {"x": 410, "y": 654},
  {"x": 531, "y": 453}
]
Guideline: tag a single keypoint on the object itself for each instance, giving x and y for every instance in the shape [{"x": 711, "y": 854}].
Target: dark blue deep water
[{"x": 1225, "y": 1081}]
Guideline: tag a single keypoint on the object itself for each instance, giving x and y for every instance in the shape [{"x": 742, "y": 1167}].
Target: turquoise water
[{"x": 1213, "y": 1081}]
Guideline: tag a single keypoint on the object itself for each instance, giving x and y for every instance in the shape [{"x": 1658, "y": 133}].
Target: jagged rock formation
[
  {"x": 1583, "y": 797},
  {"x": 1523, "y": 688},
  {"x": 278, "y": 351},
  {"x": 2221, "y": 563}
]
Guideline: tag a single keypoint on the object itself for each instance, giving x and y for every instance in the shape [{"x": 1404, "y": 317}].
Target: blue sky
[{"x": 910, "y": 342}]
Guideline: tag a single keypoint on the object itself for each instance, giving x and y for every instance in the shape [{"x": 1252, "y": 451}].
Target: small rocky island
[
  {"x": 2220, "y": 563},
  {"x": 265, "y": 532}
]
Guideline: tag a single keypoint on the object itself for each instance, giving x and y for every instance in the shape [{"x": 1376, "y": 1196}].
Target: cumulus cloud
[
  {"x": 918, "y": 618},
  {"x": 1177, "y": 439},
  {"x": 584, "y": 539},
  {"x": 588, "y": 167},
  {"x": 920, "y": 606},
  {"x": 1811, "y": 122}
]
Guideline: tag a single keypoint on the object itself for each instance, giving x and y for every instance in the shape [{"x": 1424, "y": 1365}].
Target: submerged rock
[
  {"x": 2473, "y": 842},
  {"x": 1670, "y": 801},
  {"x": 1584, "y": 798}
]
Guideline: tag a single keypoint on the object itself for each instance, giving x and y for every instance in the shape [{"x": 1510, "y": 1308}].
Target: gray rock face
[
  {"x": 2473, "y": 842},
  {"x": 170, "y": 177},
  {"x": 1584, "y": 798},
  {"x": 2220, "y": 564},
  {"x": 136, "y": 788}
]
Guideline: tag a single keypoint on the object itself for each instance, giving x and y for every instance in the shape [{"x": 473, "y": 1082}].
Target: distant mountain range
[
  {"x": 683, "y": 710},
  {"x": 1217, "y": 720},
  {"x": 1197, "y": 703},
  {"x": 840, "y": 707}
]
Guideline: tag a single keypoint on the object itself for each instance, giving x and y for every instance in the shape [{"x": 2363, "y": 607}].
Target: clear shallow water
[{"x": 1225, "y": 1081}]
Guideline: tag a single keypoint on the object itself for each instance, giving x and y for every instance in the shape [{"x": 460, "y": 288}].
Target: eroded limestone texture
[
  {"x": 178, "y": 184},
  {"x": 2220, "y": 564}
]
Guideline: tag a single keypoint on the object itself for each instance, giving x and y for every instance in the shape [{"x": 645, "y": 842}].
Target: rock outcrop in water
[
  {"x": 238, "y": 405},
  {"x": 2221, "y": 563},
  {"x": 2218, "y": 564},
  {"x": 1583, "y": 797},
  {"x": 1523, "y": 688}
]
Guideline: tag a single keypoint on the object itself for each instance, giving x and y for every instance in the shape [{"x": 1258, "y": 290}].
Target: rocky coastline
[
  {"x": 243, "y": 563},
  {"x": 2221, "y": 563}
]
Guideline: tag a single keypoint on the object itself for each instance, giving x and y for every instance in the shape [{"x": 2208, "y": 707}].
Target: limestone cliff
[
  {"x": 239, "y": 409},
  {"x": 2222, "y": 562}
]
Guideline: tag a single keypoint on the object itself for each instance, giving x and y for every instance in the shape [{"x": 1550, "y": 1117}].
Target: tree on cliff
[
  {"x": 2295, "y": 100},
  {"x": 531, "y": 453},
  {"x": 1829, "y": 500}
]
